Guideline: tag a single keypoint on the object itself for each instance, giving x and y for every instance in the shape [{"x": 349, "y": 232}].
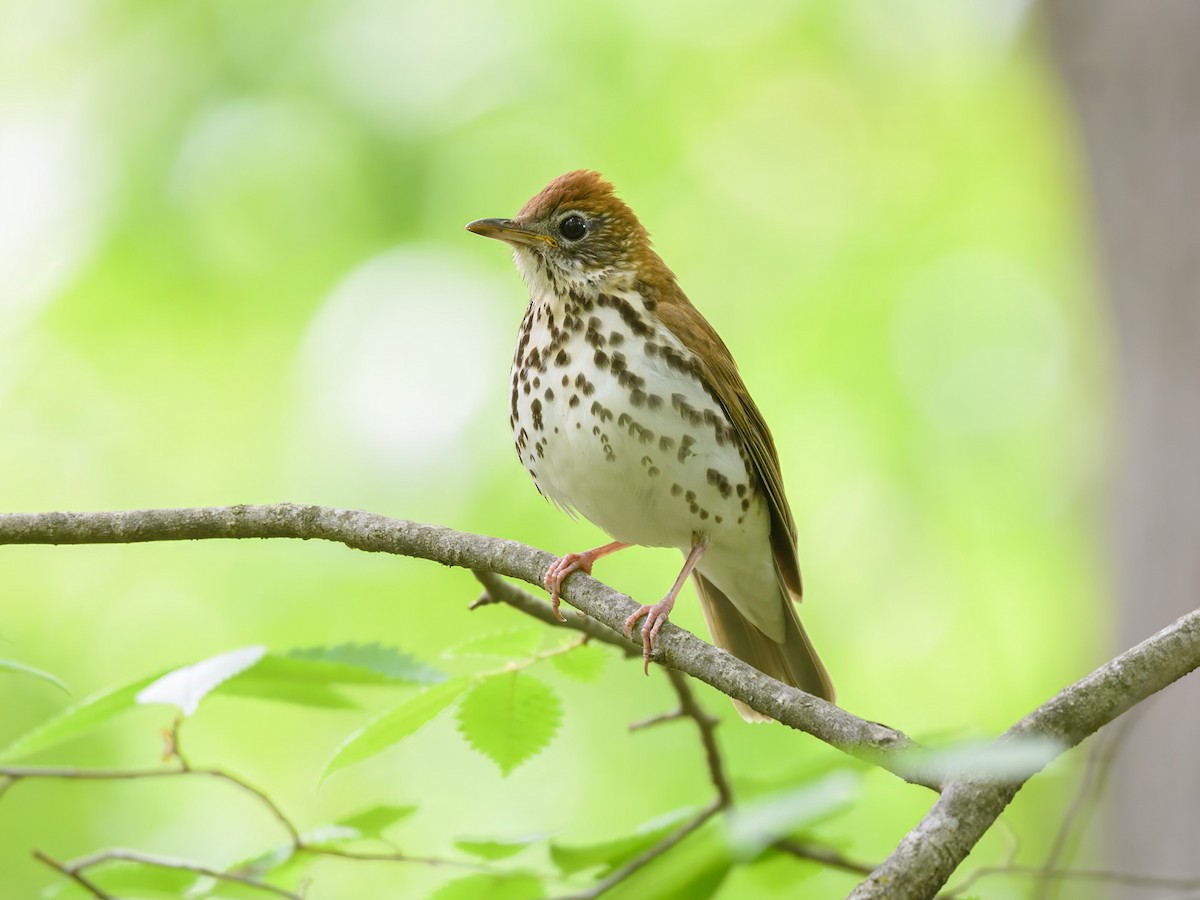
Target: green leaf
[
  {"x": 497, "y": 849},
  {"x": 693, "y": 870},
  {"x": 281, "y": 866},
  {"x": 509, "y": 717},
  {"x": 396, "y": 724},
  {"x": 76, "y": 720},
  {"x": 491, "y": 887},
  {"x": 610, "y": 854},
  {"x": 753, "y": 826},
  {"x": 584, "y": 663},
  {"x": 306, "y": 676},
  {"x": 129, "y": 879},
  {"x": 11, "y": 665},
  {"x": 264, "y": 863},
  {"x": 372, "y": 822},
  {"x": 360, "y": 662},
  {"x": 250, "y": 684},
  {"x": 511, "y": 643},
  {"x": 184, "y": 688},
  {"x": 287, "y": 878}
]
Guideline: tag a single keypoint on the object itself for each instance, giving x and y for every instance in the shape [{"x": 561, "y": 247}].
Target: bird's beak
[{"x": 510, "y": 232}]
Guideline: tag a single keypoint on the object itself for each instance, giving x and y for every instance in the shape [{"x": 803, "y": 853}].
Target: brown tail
[{"x": 793, "y": 662}]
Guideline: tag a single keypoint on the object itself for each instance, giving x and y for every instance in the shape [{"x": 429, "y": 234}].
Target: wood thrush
[{"x": 627, "y": 408}]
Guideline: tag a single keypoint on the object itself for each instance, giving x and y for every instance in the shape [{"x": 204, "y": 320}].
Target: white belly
[{"x": 650, "y": 458}]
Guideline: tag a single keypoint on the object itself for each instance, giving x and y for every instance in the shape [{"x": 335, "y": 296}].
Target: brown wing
[
  {"x": 793, "y": 660},
  {"x": 720, "y": 375}
]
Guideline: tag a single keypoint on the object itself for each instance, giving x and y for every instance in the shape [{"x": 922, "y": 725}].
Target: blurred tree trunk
[{"x": 1133, "y": 72}]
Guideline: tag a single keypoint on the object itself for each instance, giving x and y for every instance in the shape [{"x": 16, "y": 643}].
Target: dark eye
[{"x": 572, "y": 227}]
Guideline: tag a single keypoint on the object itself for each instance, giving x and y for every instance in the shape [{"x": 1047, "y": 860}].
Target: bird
[{"x": 627, "y": 408}]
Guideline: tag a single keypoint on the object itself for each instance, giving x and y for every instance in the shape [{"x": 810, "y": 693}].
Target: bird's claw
[
  {"x": 655, "y": 616},
  {"x": 557, "y": 574}
]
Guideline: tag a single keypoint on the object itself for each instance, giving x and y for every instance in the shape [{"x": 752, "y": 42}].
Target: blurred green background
[{"x": 233, "y": 270}]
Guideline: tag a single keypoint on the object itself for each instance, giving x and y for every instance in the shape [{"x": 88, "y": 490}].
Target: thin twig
[
  {"x": 179, "y": 865},
  {"x": 283, "y": 820},
  {"x": 15, "y": 774},
  {"x": 1095, "y": 774},
  {"x": 706, "y": 725},
  {"x": 648, "y": 856},
  {"x": 1131, "y": 879},
  {"x": 1009, "y": 862},
  {"x": 21, "y": 773},
  {"x": 77, "y": 877},
  {"x": 660, "y": 719},
  {"x": 825, "y": 856},
  {"x": 394, "y": 857},
  {"x": 175, "y": 748},
  {"x": 484, "y": 599}
]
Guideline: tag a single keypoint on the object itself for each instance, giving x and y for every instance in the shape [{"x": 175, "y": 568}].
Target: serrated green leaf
[
  {"x": 396, "y": 724},
  {"x": 276, "y": 667},
  {"x": 372, "y": 822},
  {"x": 759, "y": 823},
  {"x": 511, "y": 643},
  {"x": 584, "y": 663},
  {"x": 11, "y": 665},
  {"x": 491, "y": 887},
  {"x": 389, "y": 664},
  {"x": 497, "y": 849},
  {"x": 75, "y": 720},
  {"x": 185, "y": 687},
  {"x": 306, "y": 676},
  {"x": 509, "y": 717},
  {"x": 610, "y": 854}
]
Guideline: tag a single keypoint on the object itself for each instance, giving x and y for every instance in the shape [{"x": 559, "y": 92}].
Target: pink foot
[
  {"x": 574, "y": 562},
  {"x": 655, "y": 616},
  {"x": 558, "y": 572}
]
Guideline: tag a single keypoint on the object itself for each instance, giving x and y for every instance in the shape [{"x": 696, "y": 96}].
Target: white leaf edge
[{"x": 185, "y": 688}]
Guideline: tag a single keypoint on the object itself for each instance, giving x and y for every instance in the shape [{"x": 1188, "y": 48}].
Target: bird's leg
[
  {"x": 657, "y": 614},
  {"x": 572, "y": 562}
]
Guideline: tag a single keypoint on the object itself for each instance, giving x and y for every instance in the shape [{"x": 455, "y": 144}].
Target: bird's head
[{"x": 575, "y": 232}]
